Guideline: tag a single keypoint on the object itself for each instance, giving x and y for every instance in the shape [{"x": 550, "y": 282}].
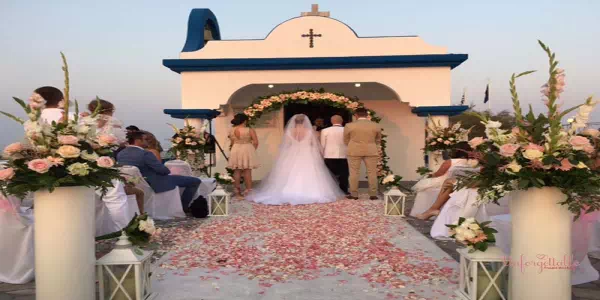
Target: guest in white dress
[
  {"x": 428, "y": 189},
  {"x": 459, "y": 161}
]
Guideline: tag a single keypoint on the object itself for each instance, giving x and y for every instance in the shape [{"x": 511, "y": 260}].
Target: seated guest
[
  {"x": 52, "y": 111},
  {"x": 155, "y": 173},
  {"x": 153, "y": 144},
  {"x": 441, "y": 180},
  {"x": 106, "y": 123},
  {"x": 132, "y": 128},
  {"x": 428, "y": 188}
]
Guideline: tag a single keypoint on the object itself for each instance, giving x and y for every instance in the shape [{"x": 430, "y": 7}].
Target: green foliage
[{"x": 473, "y": 119}]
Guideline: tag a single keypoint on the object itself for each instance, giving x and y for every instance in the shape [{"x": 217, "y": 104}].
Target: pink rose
[
  {"x": 447, "y": 143},
  {"x": 474, "y": 142},
  {"x": 579, "y": 142},
  {"x": 565, "y": 165},
  {"x": 39, "y": 165},
  {"x": 68, "y": 140},
  {"x": 107, "y": 140},
  {"x": 533, "y": 146},
  {"x": 7, "y": 174},
  {"x": 105, "y": 162},
  {"x": 14, "y": 148},
  {"x": 508, "y": 150},
  {"x": 589, "y": 149}
]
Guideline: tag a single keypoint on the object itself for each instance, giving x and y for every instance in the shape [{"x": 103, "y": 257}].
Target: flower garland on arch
[{"x": 266, "y": 104}]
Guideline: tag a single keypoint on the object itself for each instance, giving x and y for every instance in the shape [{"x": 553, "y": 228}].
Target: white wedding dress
[{"x": 299, "y": 175}]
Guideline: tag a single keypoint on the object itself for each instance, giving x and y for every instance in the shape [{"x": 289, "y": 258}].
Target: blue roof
[
  {"x": 311, "y": 63},
  {"x": 452, "y": 110},
  {"x": 192, "y": 113}
]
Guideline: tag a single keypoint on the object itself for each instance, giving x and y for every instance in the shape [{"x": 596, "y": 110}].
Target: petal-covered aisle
[{"x": 344, "y": 250}]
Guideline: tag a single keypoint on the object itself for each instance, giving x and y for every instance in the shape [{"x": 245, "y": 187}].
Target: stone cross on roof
[{"x": 315, "y": 12}]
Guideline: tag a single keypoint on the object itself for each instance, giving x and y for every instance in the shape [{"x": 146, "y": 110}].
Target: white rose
[
  {"x": 79, "y": 169},
  {"x": 581, "y": 165},
  {"x": 474, "y": 227},
  {"x": 89, "y": 156},
  {"x": 439, "y": 139},
  {"x": 493, "y": 124},
  {"x": 533, "y": 154},
  {"x": 514, "y": 166}
]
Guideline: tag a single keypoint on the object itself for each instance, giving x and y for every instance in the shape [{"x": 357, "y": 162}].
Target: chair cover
[
  {"x": 16, "y": 238},
  {"x": 595, "y": 239},
  {"x": 161, "y": 206},
  {"x": 463, "y": 203},
  {"x": 118, "y": 209},
  {"x": 584, "y": 273}
]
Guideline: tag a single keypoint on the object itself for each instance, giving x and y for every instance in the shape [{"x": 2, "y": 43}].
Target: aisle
[{"x": 343, "y": 250}]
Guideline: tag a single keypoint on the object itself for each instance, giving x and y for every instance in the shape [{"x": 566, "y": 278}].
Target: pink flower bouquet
[
  {"x": 539, "y": 151},
  {"x": 68, "y": 153}
]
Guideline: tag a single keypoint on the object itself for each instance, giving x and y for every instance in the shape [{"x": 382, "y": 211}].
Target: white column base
[
  {"x": 541, "y": 245},
  {"x": 64, "y": 244}
]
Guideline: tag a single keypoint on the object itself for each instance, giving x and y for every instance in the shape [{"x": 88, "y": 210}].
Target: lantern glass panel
[
  {"x": 115, "y": 282},
  {"x": 486, "y": 272}
]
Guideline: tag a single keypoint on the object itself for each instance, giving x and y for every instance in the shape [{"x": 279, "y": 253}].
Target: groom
[{"x": 363, "y": 138}]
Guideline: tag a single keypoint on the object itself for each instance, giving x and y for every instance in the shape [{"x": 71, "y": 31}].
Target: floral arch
[{"x": 275, "y": 102}]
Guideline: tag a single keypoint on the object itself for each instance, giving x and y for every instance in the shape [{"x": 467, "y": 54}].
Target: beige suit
[{"x": 363, "y": 138}]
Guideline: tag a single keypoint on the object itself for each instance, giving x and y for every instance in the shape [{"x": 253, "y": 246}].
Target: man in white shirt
[
  {"x": 334, "y": 151},
  {"x": 52, "y": 111}
]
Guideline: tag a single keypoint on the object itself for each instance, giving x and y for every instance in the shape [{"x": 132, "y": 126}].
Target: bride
[{"x": 299, "y": 175}]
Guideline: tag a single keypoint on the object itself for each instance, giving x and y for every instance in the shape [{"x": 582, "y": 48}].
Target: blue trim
[
  {"x": 424, "y": 111},
  {"x": 312, "y": 63},
  {"x": 192, "y": 113},
  {"x": 200, "y": 17}
]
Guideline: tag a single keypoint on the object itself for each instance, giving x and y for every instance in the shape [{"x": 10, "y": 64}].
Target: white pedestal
[
  {"x": 541, "y": 245},
  {"x": 64, "y": 244}
]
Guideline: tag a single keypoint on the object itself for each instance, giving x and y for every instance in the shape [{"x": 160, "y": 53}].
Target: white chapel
[{"x": 402, "y": 78}]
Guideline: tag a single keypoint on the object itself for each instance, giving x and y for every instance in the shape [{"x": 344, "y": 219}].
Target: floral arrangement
[
  {"x": 476, "y": 236},
  {"x": 440, "y": 138},
  {"x": 391, "y": 181},
  {"x": 538, "y": 151},
  {"x": 271, "y": 103},
  {"x": 68, "y": 153},
  {"x": 139, "y": 230},
  {"x": 224, "y": 179},
  {"x": 188, "y": 145}
]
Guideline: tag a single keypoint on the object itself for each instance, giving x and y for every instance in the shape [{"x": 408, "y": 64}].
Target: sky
[{"x": 115, "y": 48}]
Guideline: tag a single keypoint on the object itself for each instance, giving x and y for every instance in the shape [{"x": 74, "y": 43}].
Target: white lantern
[
  {"x": 394, "y": 202},
  {"x": 124, "y": 273},
  {"x": 483, "y": 275},
  {"x": 218, "y": 202}
]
